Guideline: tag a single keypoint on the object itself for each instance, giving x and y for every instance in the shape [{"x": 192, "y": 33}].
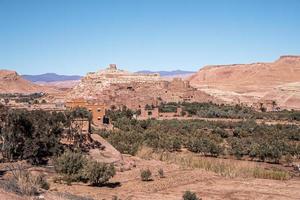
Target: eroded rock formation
[
  {"x": 250, "y": 83},
  {"x": 117, "y": 87},
  {"x": 12, "y": 82}
]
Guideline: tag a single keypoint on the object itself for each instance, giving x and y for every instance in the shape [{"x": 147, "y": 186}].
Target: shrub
[
  {"x": 188, "y": 195},
  {"x": 289, "y": 159},
  {"x": 161, "y": 173},
  {"x": 146, "y": 175},
  {"x": 42, "y": 182},
  {"x": 223, "y": 133},
  {"x": 204, "y": 145},
  {"x": 98, "y": 173},
  {"x": 126, "y": 142},
  {"x": 24, "y": 183},
  {"x": 10, "y": 185},
  {"x": 70, "y": 164}
]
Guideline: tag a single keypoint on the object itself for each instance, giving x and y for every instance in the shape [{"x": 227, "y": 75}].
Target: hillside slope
[
  {"x": 12, "y": 82},
  {"x": 249, "y": 77},
  {"x": 253, "y": 83}
]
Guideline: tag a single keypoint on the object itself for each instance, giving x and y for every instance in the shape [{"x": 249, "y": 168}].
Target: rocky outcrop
[
  {"x": 96, "y": 82},
  {"x": 249, "y": 82},
  {"x": 106, "y": 155},
  {"x": 11, "y": 82},
  {"x": 249, "y": 77},
  {"x": 117, "y": 87}
]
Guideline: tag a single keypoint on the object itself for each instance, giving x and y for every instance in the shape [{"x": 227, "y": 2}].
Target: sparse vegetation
[
  {"x": 146, "y": 175},
  {"x": 188, "y": 195},
  {"x": 227, "y": 168},
  {"x": 161, "y": 173},
  {"x": 75, "y": 167},
  {"x": 244, "y": 140},
  {"x": 70, "y": 165},
  {"x": 24, "y": 183},
  {"x": 98, "y": 173}
]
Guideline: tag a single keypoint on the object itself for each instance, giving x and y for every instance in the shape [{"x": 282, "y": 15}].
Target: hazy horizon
[{"x": 74, "y": 37}]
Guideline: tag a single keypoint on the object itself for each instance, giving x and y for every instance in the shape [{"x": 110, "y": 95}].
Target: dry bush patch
[
  {"x": 227, "y": 168},
  {"x": 23, "y": 182}
]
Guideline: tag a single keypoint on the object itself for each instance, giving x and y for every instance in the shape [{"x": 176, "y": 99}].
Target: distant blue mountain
[
  {"x": 167, "y": 73},
  {"x": 50, "y": 77}
]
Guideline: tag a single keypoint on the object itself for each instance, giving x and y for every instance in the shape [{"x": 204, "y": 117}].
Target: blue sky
[{"x": 78, "y": 36}]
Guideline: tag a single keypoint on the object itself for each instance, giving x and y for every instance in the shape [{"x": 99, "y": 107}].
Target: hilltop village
[{"x": 117, "y": 88}]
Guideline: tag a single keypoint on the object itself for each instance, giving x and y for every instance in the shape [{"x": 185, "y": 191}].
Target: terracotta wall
[{"x": 97, "y": 110}]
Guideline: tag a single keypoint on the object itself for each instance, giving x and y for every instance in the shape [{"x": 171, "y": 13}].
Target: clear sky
[{"x": 78, "y": 36}]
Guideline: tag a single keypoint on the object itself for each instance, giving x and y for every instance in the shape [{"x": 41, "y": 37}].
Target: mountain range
[{"x": 53, "y": 77}]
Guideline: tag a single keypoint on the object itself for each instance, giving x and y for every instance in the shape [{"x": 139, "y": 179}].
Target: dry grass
[
  {"x": 227, "y": 168},
  {"x": 24, "y": 183}
]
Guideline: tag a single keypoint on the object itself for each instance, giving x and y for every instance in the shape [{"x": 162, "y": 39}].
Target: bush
[
  {"x": 204, "y": 145},
  {"x": 146, "y": 175},
  {"x": 98, "y": 173},
  {"x": 223, "y": 133},
  {"x": 188, "y": 195},
  {"x": 126, "y": 142},
  {"x": 24, "y": 183},
  {"x": 161, "y": 173},
  {"x": 70, "y": 164},
  {"x": 42, "y": 182}
]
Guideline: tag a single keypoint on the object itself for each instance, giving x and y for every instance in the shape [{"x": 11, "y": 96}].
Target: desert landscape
[
  {"x": 186, "y": 137},
  {"x": 149, "y": 100}
]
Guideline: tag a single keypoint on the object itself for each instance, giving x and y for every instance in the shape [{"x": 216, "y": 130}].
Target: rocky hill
[
  {"x": 12, "y": 82},
  {"x": 250, "y": 82},
  {"x": 249, "y": 77},
  {"x": 118, "y": 87}
]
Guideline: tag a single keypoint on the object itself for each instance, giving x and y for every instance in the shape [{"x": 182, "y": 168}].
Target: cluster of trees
[
  {"x": 168, "y": 107},
  {"x": 212, "y": 110},
  {"x": 21, "y": 98},
  {"x": 245, "y": 139},
  {"x": 35, "y": 135}
]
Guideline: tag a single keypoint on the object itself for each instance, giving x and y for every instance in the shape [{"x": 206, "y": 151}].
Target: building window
[
  {"x": 99, "y": 118},
  {"x": 98, "y": 109}
]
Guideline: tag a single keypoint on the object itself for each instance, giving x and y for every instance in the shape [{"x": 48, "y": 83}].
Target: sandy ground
[{"x": 207, "y": 185}]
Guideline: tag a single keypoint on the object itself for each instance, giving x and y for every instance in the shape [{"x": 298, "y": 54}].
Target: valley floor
[{"x": 207, "y": 185}]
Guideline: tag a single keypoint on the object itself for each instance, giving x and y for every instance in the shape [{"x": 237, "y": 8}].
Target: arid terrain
[
  {"x": 249, "y": 83},
  {"x": 177, "y": 180},
  {"x": 12, "y": 82},
  {"x": 211, "y": 134},
  {"x": 149, "y": 100}
]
